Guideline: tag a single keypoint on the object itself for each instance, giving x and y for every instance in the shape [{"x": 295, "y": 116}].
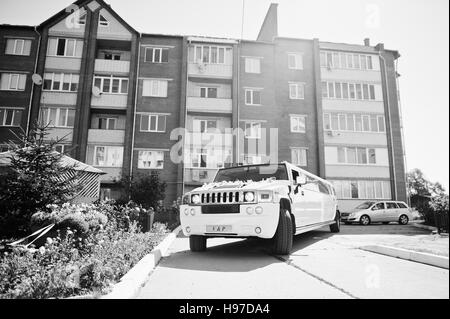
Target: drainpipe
[
  {"x": 390, "y": 124},
  {"x": 33, "y": 85},
  {"x": 135, "y": 104},
  {"x": 238, "y": 80}
]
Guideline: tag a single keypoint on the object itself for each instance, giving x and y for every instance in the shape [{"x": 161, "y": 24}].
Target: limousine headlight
[
  {"x": 186, "y": 200},
  {"x": 249, "y": 196},
  {"x": 195, "y": 199}
]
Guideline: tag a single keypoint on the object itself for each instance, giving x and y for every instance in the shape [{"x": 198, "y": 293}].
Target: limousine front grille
[
  {"x": 221, "y": 209},
  {"x": 221, "y": 197}
]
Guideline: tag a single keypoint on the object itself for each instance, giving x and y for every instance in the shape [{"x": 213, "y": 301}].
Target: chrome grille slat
[{"x": 227, "y": 197}]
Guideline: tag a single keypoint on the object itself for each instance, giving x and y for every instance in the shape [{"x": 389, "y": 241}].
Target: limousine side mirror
[{"x": 301, "y": 180}]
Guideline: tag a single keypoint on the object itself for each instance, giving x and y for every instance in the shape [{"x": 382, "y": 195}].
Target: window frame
[
  {"x": 157, "y": 129},
  {"x": 58, "y": 116},
  {"x": 298, "y": 118},
  {"x": 159, "y": 152},
  {"x": 297, "y": 86},
  {"x": 249, "y": 67},
  {"x": 248, "y": 131},
  {"x": 16, "y": 40},
  {"x": 5, "y": 116},
  {"x": 302, "y": 153},
  {"x": 61, "y": 84},
  {"x": 298, "y": 61},
  {"x": 112, "y": 78},
  {"x": 10, "y": 77},
  {"x": 151, "y": 84},
  {"x": 153, "y": 58},
  {"x": 252, "y": 97},
  {"x": 106, "y": 147}
]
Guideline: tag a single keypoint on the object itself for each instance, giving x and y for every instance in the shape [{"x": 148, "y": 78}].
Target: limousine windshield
[{"x": 252, "y": 173}]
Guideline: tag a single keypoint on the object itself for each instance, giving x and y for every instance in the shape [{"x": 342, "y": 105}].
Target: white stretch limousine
[{"x": 274, "y": 201}]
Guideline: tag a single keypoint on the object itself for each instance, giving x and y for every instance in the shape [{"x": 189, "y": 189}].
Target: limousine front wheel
[
  {"x": 282, "y": 241},
  {"x": 197, "y": 243}
]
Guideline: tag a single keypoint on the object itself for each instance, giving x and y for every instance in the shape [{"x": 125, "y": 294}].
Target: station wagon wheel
[
  {"x": 364, "y": 220},
  {"x": 403, "y": 220}
]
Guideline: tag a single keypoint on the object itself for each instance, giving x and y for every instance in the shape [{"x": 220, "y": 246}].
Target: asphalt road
[{"x": 322, "y": 265}]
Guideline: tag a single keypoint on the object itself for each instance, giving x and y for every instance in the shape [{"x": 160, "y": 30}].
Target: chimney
[
  {"x": 367, "y": 42},
  {"x": 269, "y": 29}
]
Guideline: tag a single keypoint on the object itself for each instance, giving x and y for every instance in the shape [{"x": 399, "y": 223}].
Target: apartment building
[
  {"x": 18, "y": 48},
  {"x": 185, "y": 106}
]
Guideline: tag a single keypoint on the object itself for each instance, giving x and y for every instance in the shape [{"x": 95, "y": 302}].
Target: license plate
[{"x": 218, "y": 229}]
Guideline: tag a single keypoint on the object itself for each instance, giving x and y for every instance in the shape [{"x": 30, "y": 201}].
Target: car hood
[{"x": 240, "y": 185}]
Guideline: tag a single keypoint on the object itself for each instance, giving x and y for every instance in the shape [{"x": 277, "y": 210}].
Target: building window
[
  {"x": 107, "y": 123},
  {"x": 346, "y": 60},
  {"x": 354, "y": 122},
  {"x": 111, "y": 84},
  {"x": 103, "y": 22},
  {"x": 108, "y": 156},
  {"x": 154, "y": 123},
  {"x": 18, "y": 47},
  {"x": 252, "y": 97},
  {"x": 253, "y": 130},
  {"x": 155, "y": 88},
  {"x": 356, "y": 155},
  {"x": 205, "y": 126},
  {"x": 58, "y": 117},
  {"x": 208, "y": 54},
  {"x": 295, "y": 61},
  {"x": 208, "y": 92},
  {"x": 151, "y": 159},
  {"x": 10, "y": 117},
  {"x": 63, "y": 82},
  {"x": 157, "y": 55},
  {"x": 252, "y": 65},
  {"x": 82, "y": 20},
  {"x": 296, "y": 91},
  {"x": 252, "y": 159},
  {"x": 61, "y": 148},
  {"x": 112, "y": 56},
  {"x": 362, "y": 189},
  {"x": 348, "y": 91},
  {"x": 200, "y": 158},
  {"x": 298, "y": 124},
  {"x": 13, "y": 82},
  {"x": 65, "y": 47},
  {"x": 299, "y": 156}
]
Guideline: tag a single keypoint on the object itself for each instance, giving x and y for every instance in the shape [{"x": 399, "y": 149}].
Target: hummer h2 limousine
[{"x": 271, "y": 201}]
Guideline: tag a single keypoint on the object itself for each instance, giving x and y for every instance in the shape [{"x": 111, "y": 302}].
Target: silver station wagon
[{"x": 379, "y": 212}]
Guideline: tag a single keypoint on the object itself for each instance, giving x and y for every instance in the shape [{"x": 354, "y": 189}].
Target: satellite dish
[
  {"x": 37, "y": 79},
  {"x": 96, "y": 91}
]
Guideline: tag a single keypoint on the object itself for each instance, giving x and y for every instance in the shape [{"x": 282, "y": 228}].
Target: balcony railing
[
  {"x": 199, "y": 175},
  {"x": 110, "y": 101},
  {"x": 210, "y": 70},
  {"x": 112, "y": 66},
  {"x": 198, "y": 104},
  {"x": 108, "y": 137}
]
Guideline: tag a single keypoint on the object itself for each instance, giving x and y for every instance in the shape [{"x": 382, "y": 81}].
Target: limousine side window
[{"x": 323, "y": 188}]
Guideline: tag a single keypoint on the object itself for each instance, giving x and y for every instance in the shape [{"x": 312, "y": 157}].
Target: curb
[
  {"x": 130, "y": 284},
  {"x": 424, "y": 258},
  {"x": 418, "y": 225}
]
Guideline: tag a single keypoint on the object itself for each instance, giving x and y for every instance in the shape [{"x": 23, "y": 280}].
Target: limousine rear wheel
[
  {"x": 197, "y": 243},
  {"x": 336, "y": 227},
  {"x": 282, "y": 241}
]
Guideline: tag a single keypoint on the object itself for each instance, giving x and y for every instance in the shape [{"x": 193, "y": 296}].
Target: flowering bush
[{"x": 70, "y": 265}]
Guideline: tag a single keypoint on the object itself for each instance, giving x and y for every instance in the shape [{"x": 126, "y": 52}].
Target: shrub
[
  {"x": 145, "y": 190},
  {"x": 68, "y": 266}
]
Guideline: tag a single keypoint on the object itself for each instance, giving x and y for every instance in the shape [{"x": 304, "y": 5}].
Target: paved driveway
[{"x": 322, "y": 265}]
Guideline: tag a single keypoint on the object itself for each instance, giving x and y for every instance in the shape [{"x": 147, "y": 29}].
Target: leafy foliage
[
  {"x": 35, "y": 179},
  {"x": 145, "y": 190}
]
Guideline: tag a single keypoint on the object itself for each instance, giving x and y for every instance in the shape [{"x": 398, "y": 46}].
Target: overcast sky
[{"x": 418, "y": 29}]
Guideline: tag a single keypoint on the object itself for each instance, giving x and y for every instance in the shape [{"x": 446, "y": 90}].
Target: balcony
[
  {"x": 199, "y": 175},
  {"x": 106, "y": 137},
  {"x": 62, "y": 63},
  {"x": 110, "y": 101},
  {"x": 210, "y": 140},
  {"x": 210, "y": 70},
  {"x": 198, "y": 104},
  {"x": 59, "y": 98},
  {"x": 112, "y": 67}
]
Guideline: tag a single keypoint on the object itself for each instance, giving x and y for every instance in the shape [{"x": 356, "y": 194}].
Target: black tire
[
  {"x": 336, "y": 227},
  {"x": 282, "y": 241},
  {"x": 403, "y": 220},
  {"x": 347, "y": 223},
  {"x": 385, "y": 223},
  {"x": 364, "y": 220},
  {"x": 197, "y": 243}
]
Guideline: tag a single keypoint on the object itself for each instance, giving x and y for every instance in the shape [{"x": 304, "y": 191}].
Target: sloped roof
[{"x": 5, "y": 160}]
